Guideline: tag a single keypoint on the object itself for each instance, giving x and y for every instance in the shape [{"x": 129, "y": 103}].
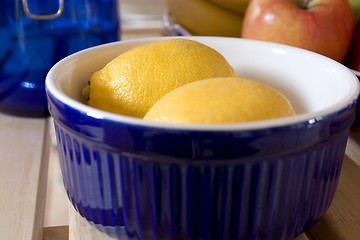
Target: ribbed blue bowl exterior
[{"x": 130, "y": 196}]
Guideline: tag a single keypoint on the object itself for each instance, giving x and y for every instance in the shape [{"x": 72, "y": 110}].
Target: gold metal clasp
[{"x": 43, "y": 17}]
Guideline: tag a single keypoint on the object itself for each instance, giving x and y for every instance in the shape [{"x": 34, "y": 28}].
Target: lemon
[
  {"x": 132, "y": 82},
  {"x": 220, "y": 100}
]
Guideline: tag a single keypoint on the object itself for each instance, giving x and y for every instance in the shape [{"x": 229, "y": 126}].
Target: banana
[
  {"x": 238, "y": 6},
  {"x": 201, "y": 17}
]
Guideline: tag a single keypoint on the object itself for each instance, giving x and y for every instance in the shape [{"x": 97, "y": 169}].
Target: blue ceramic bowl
[
  {"x": 356, "y": 124},
  {"x": 274, "y": 179}
]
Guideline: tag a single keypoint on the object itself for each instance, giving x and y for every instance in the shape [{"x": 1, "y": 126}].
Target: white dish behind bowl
[{"x": 314, "y": 84}]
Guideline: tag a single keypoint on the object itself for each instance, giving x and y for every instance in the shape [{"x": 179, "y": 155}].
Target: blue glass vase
[{"x": 35, "y": 34}]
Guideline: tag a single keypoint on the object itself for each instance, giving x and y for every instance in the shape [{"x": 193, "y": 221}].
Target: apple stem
[{"x": 304, "y": 4}]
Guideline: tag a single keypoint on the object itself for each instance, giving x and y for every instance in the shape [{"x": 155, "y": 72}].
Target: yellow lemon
[
  {"x": 131, "y": 83},
  {"x": 220, "y": 100}
]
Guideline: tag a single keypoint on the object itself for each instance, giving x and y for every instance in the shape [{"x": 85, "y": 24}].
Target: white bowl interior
[{"x": 315, "y": 85}]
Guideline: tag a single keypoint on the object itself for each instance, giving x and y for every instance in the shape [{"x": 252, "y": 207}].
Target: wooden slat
[
  {"x": 56, "y": 233},
  {"x": 56, "y": 208},
  {"x": 23, "y": 173}
]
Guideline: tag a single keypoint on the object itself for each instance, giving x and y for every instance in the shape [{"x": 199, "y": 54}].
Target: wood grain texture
[
  {"x": 56, "y": 233},
  {"x": 23, "y": 171}
]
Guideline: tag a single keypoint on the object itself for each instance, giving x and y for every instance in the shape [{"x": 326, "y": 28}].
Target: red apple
[
  {"x": 353, "y": 60},
  {"x": 322, "y": 26}
]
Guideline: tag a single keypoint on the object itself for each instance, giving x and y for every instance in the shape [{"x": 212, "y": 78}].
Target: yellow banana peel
[
  {"x": 201, "y": 17},
  {"x": 238, "y": 6}
]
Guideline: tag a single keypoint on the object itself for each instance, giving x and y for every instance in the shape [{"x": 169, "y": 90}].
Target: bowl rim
[{"x": 312, "y": 117}]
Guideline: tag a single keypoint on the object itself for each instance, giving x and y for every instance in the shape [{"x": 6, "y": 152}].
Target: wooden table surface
[{"x": 24, "y": 151}]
